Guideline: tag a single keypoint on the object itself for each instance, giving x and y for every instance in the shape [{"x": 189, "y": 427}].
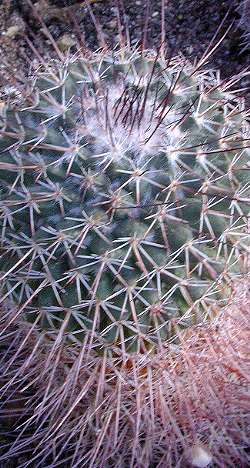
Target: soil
[{"x": 189, "y": 27}]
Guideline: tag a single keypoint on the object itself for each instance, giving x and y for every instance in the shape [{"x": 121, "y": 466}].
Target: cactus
[
  {"x": 124, "y": 219},
  {"x": 186, "y": 405},
  {"x": 123, "y": 199}
]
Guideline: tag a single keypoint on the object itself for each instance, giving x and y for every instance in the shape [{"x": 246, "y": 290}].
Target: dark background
[{"x": 189, "y": 27}]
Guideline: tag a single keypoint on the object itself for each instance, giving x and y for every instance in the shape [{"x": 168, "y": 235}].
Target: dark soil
[{"x": 189, "y": 27}]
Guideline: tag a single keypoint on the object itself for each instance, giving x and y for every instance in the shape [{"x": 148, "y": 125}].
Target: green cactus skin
[
  {"x": 124, "y": 199},
  {"x": 124, "y": 218}
]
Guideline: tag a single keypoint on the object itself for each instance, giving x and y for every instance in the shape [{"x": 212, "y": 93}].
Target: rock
[
  {"x": 12, "y": 31},
  {"x": 66, "y": 41}
]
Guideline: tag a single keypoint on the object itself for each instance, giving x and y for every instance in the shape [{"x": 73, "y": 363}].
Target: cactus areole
[{"x": 124, "y": 199}]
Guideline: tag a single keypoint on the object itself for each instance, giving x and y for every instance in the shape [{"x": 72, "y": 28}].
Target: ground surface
[{"x": 189, "y": 27}]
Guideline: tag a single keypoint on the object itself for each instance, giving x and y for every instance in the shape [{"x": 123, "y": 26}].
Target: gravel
[{"x": 189, "y": 27}]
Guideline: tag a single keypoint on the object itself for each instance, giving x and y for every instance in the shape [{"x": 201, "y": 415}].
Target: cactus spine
[
  {"x": 124, "y": 207},
  {"x": 123, "y": 183}
]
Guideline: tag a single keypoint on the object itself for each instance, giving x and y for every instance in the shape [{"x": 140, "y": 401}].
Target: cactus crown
[{"x": 123, "y": 198}]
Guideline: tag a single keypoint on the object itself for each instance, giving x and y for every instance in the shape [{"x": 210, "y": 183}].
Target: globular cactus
[
  {"x": 124, "y": 208},
  {"x": 123, "y": 199}
]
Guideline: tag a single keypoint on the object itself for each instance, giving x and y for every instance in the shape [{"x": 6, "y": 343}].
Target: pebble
[
  {"x": 12, "y": 31},
  {"x": 65, "y": 42}
]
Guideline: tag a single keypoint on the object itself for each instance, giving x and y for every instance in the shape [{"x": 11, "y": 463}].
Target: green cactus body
[{"x": 124, "y": 189}]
